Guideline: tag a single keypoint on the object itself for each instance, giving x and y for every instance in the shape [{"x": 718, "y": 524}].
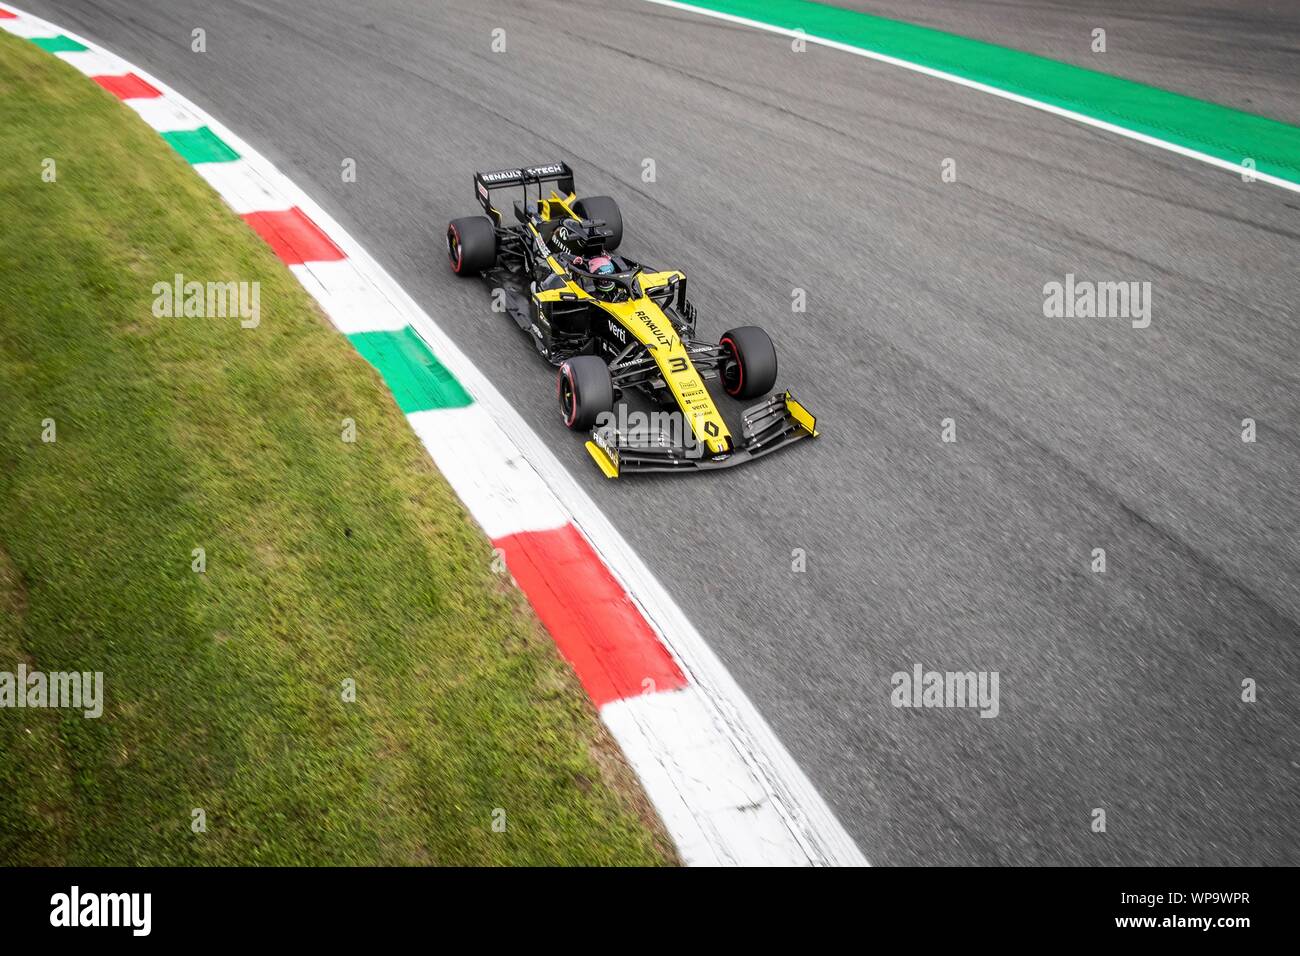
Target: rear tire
[
  {"x": 585, "y": 391},
  {"x": 603, "y": 207},
  {"x": 750, "y": 368},
  {"x": 471, "y": 245}
]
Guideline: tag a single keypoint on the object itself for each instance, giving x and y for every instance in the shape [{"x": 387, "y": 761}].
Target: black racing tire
[
  {"x": 603, "y": 207},
  {"x": 585, "y": 391},
  {"x": 471, "y": 245},
  {"x": 749, "y": 368}
]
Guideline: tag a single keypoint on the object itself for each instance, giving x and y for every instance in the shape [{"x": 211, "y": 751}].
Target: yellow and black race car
[{"x": 613, "y": 326}]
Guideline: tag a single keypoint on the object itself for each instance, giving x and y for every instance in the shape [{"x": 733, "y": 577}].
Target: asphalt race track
[
  {"x": 820, "y": 170},
  {"x": 1197, "y": 49}
]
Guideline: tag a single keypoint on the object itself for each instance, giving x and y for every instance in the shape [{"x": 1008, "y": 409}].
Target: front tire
[
  {"x": 749, "y": 368},
  {"x": 585, "y": 391},
  {"x": 604, "y": 208},
  {"x": 471, "y": 245}
]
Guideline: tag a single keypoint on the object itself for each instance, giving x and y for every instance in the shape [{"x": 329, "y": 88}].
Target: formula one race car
[{"x": 611, "y": 325}]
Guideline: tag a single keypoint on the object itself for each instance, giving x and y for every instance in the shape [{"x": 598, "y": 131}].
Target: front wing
[{"x": 770, "y": 425}]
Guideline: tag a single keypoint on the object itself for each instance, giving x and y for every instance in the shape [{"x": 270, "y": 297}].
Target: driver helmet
[{"x": 602, "y": 266}]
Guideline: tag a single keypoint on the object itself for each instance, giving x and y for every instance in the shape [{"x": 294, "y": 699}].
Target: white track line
[{"x": 1236, "y": 168}]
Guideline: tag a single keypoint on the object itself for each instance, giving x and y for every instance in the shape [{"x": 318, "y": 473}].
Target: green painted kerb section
[
  {"x": 1208, "y": 128},
  {"x": 200, "y": 146},
  {"x": 417, "y": 380},
  {"x": 59, "y": 44}
]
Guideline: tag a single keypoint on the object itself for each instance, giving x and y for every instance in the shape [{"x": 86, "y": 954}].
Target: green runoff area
[
  {"x": 1233, "y": 136},
  {"x": 326, "y": 561}
]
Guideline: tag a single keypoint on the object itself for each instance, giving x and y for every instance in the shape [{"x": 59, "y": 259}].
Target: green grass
[{"x": 325, "y": 560}]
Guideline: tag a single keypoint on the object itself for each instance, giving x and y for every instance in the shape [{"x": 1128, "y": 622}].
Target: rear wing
[{"x": 485, "y": 182}]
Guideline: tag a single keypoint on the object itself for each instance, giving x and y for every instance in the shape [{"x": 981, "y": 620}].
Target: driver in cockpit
[
  {"x": 602, "y": 265},
  {"x": 580, "y": 246}
]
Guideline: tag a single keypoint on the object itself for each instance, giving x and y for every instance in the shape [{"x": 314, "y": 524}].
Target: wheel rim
[
  {"x": 568, "y": 401},
  {"x": 453, "y": 249},
  {"x": 733, "y": 373}
]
